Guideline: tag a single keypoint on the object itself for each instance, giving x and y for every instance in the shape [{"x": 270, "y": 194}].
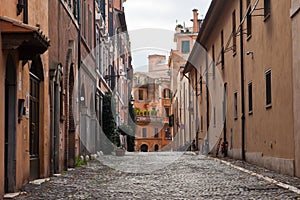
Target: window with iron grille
[
  {"x": 90, "y": 24},
  {"x": 213, "y": 59},
  {"x": 222, "y": 50},
  {"x": 267, "y": 7},
  {"x": 250, "y": 102},
  {"x": 249, "y": 18},
  {"x": 234, "y": 32},
  {"x": 235, "y": 106},
  {"x": 268, "y": 88}
]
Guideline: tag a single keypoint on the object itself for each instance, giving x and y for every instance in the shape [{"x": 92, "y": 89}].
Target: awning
[{"x": 28, "y": 40}]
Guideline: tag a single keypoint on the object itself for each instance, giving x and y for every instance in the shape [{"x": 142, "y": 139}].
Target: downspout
[
  {"x": 78, "y": 64},
  {"x": 242, "y": 80},
  {"x": 207, "y": 107}
]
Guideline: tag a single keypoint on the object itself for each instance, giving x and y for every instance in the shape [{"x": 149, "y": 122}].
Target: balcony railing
[
  {"x": 142, "y": 119},
  {"x": 166, "y": 102}
]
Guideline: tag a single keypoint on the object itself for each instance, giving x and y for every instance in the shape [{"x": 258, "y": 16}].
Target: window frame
[
  {"x": 249, "y": 21},
  {"x": 189, "y": 46},
  {"x": 250, "y": 98},
  {"x": 144, "y": 132},
  {"x": 268, "y": 89},
  {"x": 234, "y": 33},
  {"x": 235, "y": 104}
]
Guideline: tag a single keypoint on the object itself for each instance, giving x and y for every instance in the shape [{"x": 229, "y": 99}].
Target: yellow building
[
  {"x": 186, "y": 127},
  {"x": 249, "y": 46},
  {"x": 151, "y": 92}
]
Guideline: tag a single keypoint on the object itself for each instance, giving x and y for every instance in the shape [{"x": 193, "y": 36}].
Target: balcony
[
  {"x": 166, "y": 102},
  {"x": 144, "y": 120}
]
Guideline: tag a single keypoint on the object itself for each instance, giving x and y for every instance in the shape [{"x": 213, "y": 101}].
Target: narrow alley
[{"x": 188, "y": 177}]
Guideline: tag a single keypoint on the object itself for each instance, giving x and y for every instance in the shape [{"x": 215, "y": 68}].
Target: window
[
  {"x": 268, "y": 89},
  {"x": 234, "y": 32},
  {"x": 155, "y": 132},
  {"x": 84, "y": 19},
  {"x": 235, "y": 106},
  {"x": 141, "y": 95},
  {"x": 166, "y": 93},
  {"x": 75, "y": 8},
  {"x": 213, "y": 63},
  {"x": 249, "y": 18},
  {"x": 144, "y": 130},
  {"x": 222, "y": 50},
  {"x": 201, "y": 123},
  {"x": 167, "y": 111},
  {"x": 250, "y": 102},
  {"x": 267, "y": 7},
  {"x": 215, "y": 122},
  {"x": 185, "y": 46},
  {"x": 90, "y": 23},
  {"x": 97, "y": 50}
]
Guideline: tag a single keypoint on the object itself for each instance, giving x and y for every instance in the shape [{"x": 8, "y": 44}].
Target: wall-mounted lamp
[
  {"x": 250, "y": 53},
  {"x": 21, "y": 109},
  {"x": 20, "y": 7}
]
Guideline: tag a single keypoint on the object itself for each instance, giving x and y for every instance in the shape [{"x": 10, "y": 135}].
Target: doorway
[
  {"x": 34, "y": 127},
  {"x": 10, "y": 125},
  {"x": 156, "y": 147},
  {"x": 144, "y": 148}
]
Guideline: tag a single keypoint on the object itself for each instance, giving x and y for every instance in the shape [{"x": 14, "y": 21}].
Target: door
[
  {"x": 144, "y": 148},
  {"x": 10, "y": 126},
  {"x": 34, "y": 127}
]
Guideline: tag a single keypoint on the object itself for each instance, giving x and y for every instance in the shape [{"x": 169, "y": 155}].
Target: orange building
[{"x": 152, "y": 96}]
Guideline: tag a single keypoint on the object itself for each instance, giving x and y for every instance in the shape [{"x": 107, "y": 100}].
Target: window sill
[
  {"x": 250, "y": 113},
  {"x": 269, "y": 106},
  {"x": 267, "y": 17}
]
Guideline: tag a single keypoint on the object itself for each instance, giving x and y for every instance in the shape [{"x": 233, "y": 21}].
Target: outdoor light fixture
[{"x": 20, "y": 7}]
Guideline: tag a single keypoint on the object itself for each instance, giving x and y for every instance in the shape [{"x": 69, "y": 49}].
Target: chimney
[{"x": 195, "y": 21}]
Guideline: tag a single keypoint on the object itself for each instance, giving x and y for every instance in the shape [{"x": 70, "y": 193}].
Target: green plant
[
  {"x": 109, "y": 124},
  {"x": 145, "y": 112},
  {"x": 80, "y": 162}
]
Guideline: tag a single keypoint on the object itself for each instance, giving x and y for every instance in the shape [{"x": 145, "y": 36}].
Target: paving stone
[{"x": 187, "y": 177}]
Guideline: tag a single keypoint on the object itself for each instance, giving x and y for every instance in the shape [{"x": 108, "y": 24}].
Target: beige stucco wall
[
  {"x": 268, "y": 132},
  {"x": 295, "y": 17}
]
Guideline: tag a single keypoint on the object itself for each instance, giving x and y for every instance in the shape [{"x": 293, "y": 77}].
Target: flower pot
[{"x": 120, "y": 152}]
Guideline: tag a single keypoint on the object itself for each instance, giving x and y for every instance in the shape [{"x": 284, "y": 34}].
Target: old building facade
[
  {"x": 244, "y": 55},
  {"x": 54, "y": 76},
  {"x": 24, "y": 106},
  {"x": 186, "y": 127},
  {"x": 152, "y": 103}
]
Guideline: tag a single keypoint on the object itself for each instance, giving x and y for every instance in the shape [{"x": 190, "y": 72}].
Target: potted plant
[{"x": 120, "y": 151}]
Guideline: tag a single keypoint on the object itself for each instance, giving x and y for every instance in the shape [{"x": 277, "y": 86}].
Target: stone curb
[{"x": 260, "y": 176}]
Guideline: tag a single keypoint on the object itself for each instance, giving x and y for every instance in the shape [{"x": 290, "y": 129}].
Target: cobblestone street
[{"x": 188, "y": 177}]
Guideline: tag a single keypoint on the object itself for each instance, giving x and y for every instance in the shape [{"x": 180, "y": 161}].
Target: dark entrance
[
  {"x": 144, "y": 148},
  {"x": 71, "y": 162},
  {"x": 10, "y": 125},
  {"x": 34, "y": 127},
  {"x": 36, "y": 76},
  {"x": 156, "y": 147}
]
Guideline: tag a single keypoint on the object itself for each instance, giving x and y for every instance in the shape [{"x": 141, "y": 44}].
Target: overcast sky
[{"x": 147, "y": 18}]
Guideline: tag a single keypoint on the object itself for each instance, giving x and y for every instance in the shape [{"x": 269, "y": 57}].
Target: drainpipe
[
  {"x": 242, "y": 80},
  {"x": 78, "y": 64},
  {"x": 207, "y": 107}
]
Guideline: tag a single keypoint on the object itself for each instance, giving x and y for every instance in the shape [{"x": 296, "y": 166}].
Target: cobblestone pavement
[{"x": 189, "y": 177}]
